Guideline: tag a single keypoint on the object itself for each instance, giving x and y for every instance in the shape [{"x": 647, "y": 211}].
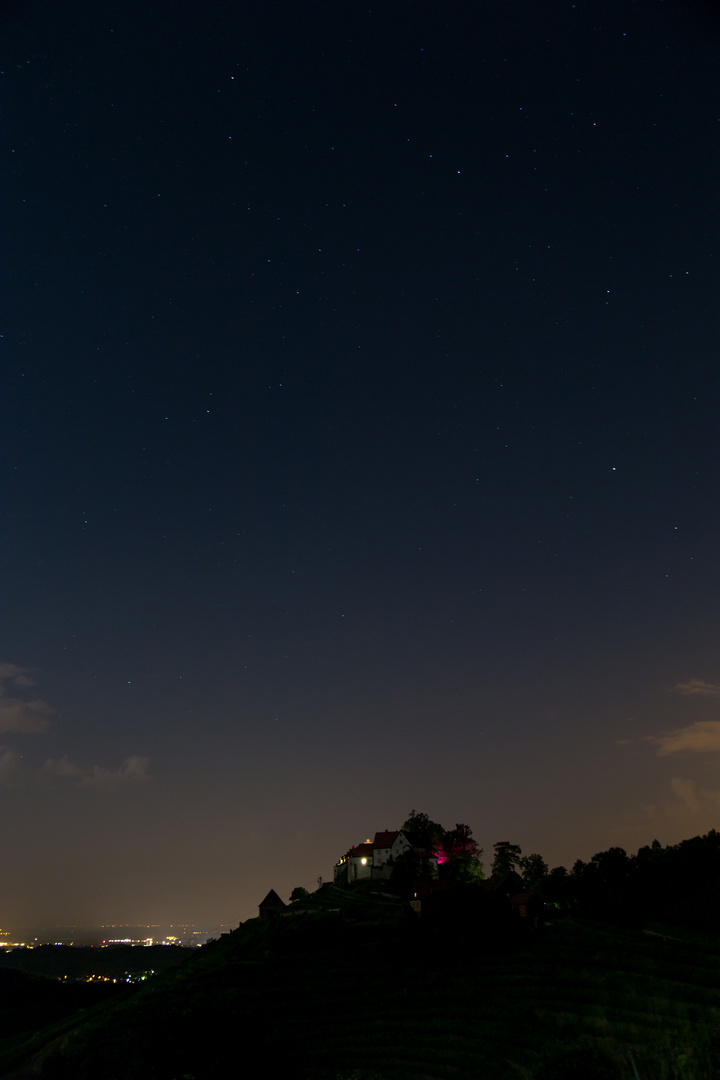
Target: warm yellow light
[{"x": 363, "y": 861}]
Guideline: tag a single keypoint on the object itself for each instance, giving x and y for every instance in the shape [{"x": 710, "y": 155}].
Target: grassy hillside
[
  {"x": 28, "y": 1002},
  {"x": 461, "y": 993}
]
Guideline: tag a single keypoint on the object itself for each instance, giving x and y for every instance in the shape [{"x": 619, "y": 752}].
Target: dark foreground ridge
[{"x": 353, "y": 986}]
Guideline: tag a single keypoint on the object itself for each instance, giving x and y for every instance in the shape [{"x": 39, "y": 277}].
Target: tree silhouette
[
  {"x": 462, "y": 858},
  {"x": 507, "y": 858},
  {"x": 424, "y": 832},
  {"x": 534, "y": 870}
]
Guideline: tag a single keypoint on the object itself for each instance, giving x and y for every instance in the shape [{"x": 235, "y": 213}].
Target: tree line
[
  {"x": 459, "y": 857},
  {"x": 677, "y": 883}
]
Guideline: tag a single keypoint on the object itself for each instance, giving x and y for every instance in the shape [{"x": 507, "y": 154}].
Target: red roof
[
  {"x": 382, "y": 841},
  {"x": 360, "y": 849},
  {"x": 385, "y": 839}
]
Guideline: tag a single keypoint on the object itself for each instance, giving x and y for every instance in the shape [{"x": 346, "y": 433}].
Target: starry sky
[{"x": 359, "y": 440}]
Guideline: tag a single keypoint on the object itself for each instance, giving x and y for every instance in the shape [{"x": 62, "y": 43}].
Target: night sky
[{"x": 359, "y": 442}]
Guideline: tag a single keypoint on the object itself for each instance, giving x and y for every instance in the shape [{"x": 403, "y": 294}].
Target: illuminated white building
[{"x": 374, "y": 858}]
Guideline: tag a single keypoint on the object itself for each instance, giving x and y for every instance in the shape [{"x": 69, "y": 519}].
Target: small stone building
[{"x": 271, "y": 906}]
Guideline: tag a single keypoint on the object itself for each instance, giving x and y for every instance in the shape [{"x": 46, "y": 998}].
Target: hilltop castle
[{"x": 375, "y": 858}]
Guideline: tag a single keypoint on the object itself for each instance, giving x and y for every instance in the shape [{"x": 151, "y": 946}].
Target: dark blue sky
[{"x": 359, "y": 446}]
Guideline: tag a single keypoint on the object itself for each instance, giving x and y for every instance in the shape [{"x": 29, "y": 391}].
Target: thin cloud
[
  {"x": 18, "y": 676},
  {"x": 11, "y": 768},
  {"x": 692, "y": 809},
  {"x": 702, "y": 737},
  {"x": 33, "y": 717},
  {"x": 24, "y": 717},
  {"x": 133, "y": 770},
  {"x": 62, "y": 767},
  {"x": 697, "y": 688},
  {"x": 698, "y": 800}
]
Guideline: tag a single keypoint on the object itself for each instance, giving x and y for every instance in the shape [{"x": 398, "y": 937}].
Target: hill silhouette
[
  {"x": 353, "y": 986},
  {"x": 30, "y": 1002}
]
